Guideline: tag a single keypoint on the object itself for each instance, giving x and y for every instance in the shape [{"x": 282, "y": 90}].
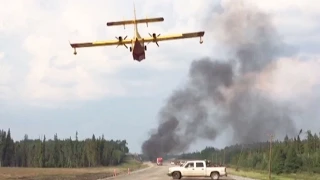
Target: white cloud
[
  {"x": 291, "y": 78},
  {"x": 5, "y": 76},
  {"x": 54, "y": 74},
  {"x": 297, "y": 19},
  {"x": 311, "y": 6}
]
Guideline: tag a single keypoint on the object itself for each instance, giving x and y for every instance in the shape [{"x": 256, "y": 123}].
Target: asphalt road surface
[{"x": 155, "y": 173}]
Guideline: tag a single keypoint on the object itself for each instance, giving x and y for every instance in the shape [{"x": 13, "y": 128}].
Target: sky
[{"x": 45, "y": 89}]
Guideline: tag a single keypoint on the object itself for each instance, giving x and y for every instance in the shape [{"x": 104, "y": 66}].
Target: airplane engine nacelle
[
  {"x": 119, "y": 38},
  {"x": 154, "y": 36}
]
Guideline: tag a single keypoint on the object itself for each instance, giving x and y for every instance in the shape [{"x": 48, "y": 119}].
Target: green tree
[
  {"x": 291, "y": 164},
  {"x": 278, "y": 163},
  {"x": 290, "y": 155}
]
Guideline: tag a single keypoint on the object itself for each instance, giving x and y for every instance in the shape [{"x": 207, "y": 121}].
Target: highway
[{"x": 154, "y": 173}]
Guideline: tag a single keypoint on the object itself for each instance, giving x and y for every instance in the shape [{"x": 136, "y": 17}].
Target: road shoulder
[{"x": 148, "y": 164}]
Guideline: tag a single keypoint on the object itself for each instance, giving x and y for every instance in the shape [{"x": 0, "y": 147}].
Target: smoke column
[{"x": 220, "y": 94}]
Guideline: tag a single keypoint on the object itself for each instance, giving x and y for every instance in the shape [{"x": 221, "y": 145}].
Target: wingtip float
[{"x": 138, "y": 46}]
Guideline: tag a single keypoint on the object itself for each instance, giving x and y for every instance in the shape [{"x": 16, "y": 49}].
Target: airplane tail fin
[
  {"x": 134, "y": 12},
  {"x": 135, "y": 19}
]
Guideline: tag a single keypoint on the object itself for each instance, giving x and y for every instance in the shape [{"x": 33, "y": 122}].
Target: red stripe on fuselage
[{"x": 138, "y": 52}]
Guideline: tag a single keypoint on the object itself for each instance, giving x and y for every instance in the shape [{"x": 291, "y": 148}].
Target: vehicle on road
[
  {"x": 159, "y": 161},
  {"x": 197, "y": 168}
]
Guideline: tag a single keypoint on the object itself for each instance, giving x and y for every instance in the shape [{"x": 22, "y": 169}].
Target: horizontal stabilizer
[{"x": 138, "y": 21}]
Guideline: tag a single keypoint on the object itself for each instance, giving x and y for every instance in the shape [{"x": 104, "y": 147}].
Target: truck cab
[
  {"x": 197, "y": 168},
  {"x": 159, "y": 161}
]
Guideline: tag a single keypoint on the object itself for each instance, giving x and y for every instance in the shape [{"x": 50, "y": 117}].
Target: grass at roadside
[
  {"x": 67, "y": 173},
  {"x": 263, "y": 175}
]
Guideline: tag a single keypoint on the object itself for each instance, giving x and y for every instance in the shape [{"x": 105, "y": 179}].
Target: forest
[
  {"x": 91, "y": 152},
  {"x": 290, "y": 155}
]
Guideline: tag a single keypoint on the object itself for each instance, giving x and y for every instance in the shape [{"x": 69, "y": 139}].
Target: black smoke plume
[{"x": 220, "y": 94}]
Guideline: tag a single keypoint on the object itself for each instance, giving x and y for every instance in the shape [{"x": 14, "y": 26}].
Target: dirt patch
[
  {"x": 86, "y": 176},
  {"x": 54, "y": 174},
  {"x": 65, "y": 173}
]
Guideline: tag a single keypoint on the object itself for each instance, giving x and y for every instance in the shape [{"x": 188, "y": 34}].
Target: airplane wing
[
  {"x": 100, "y": 43},
  {"x": 147, "y": 20},
  {"x": 156, "y": 38}
]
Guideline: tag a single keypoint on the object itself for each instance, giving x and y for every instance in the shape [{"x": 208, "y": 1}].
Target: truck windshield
[{"x": 182, "y": 165}]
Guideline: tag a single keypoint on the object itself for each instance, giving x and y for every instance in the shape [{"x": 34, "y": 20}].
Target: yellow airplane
[{"x": 138, "y": 46}]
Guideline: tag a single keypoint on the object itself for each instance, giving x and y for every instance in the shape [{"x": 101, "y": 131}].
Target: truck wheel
[
  {"x": 215, "y": 175},
  {"x": 176, "y": 175}
]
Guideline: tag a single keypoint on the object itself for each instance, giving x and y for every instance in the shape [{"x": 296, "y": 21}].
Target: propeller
[
  {"x": 154, "y": 38},
  {"x": 120, "y": 41}
]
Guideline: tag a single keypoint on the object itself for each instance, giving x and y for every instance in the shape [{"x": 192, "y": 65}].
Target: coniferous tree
[
  {"x": 279, "y": 161},
  {"x": 291, "y": 164},
  {"x": 60, "y": 152},
  {"x": 289, "y": 156}
]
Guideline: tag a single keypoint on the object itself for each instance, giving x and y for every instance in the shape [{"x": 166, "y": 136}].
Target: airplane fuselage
[
  {"x": 138, "y": 50},
  {"x": 137, "y": 44},
  {"x": 138, "y": 47}
]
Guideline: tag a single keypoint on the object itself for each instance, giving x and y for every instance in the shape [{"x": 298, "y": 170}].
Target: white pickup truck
[{"x": 196, "y": 169}]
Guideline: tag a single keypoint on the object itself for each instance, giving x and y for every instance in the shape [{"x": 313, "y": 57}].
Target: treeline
[
  {"x": 90, "y": 152},
  {"x": 288, "y": 156}
]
